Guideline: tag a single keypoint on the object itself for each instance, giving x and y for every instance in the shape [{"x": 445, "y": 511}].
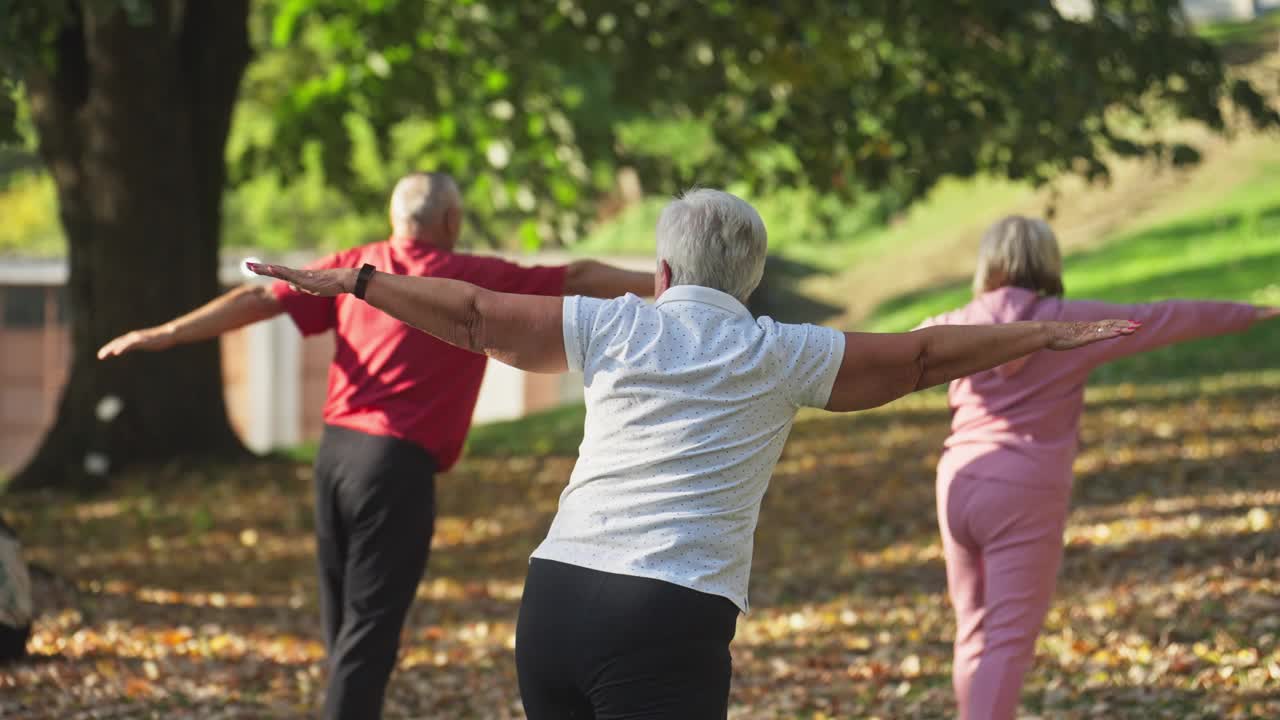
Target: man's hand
[
  {"x": 1072, "y": 335},
  {"x": 324, "y": 283},
  {"x": 242, "y": 306},
  {"x": 596, "y": 279},
  {"x": 1268, "y": 313},
  {"x": 150, "y": 339}
]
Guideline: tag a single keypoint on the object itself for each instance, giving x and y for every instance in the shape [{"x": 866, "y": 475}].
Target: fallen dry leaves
[{"x": 193, "y": 592}]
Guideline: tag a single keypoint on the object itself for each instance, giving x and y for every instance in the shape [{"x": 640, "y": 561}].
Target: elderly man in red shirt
[{"x": 398, "y": 410}]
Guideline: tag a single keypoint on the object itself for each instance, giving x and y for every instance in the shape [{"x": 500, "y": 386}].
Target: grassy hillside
[
  {"x": 1216, "y": 235},
  {"x": 1229, "y": 251},
  {"x": 852, "y": 234}
]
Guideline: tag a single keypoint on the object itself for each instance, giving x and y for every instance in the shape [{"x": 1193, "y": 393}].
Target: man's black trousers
[{"x": 375, "y": 512}]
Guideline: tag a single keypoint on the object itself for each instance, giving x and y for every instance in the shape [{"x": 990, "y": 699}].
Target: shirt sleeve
[
  {"x": 508, "y": 277},
  {"x": 1163, "y": 323},
  {"x": 817, "y": 354},
  {"x": 590, "y": 326},
  {"x": 310, "y": 313},
  {"x": 576, "y": 316}
]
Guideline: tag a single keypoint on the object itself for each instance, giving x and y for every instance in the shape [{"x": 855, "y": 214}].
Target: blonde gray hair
[
  {"x": 1020, "y": 252},
  {"x": 713, "y": 239},
  {"x": 420, "y": 200}
]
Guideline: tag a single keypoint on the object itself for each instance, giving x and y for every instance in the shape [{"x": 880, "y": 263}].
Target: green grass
[
  {"x": 796, "y": 231},
  {"x": 304, "y": 453},
  {"x": 1228, "y": 252},
  {"x": 554, "y": 432},
  {"x": 1242, "y": 32}
]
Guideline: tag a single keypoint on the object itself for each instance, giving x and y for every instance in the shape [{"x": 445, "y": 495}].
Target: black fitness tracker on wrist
[{"x": 362, "y": 280}]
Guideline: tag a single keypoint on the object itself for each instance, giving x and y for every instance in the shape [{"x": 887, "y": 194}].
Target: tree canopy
[{"x": 535, "y": 104}]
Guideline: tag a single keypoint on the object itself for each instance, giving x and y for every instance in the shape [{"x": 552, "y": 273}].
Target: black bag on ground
[{"x": 15, "y": 597}]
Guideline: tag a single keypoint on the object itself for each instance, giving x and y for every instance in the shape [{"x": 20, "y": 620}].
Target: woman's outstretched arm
[
  {"x": 879, "y": 368},
  {"x": 524, "y": 331}
]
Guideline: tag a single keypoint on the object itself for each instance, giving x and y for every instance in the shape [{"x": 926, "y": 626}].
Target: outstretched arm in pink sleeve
[{"x": 1165, "y": 323}]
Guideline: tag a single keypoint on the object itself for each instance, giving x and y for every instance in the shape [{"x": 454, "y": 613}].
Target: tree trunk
[{"x": 133, "y": 121}]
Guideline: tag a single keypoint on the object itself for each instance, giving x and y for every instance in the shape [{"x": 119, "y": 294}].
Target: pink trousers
[{"x": 1003, "y": 547}]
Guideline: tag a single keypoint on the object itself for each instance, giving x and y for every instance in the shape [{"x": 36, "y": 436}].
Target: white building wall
[
  {"x": 1197, "y": 10},
  {"x": 501, "y": 394},
  {"x": 286, "y": 379},
  {"x": 1210, "y": 10}
]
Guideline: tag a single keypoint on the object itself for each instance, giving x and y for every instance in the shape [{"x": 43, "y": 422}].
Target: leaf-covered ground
[{"x": 194, "y": 593}]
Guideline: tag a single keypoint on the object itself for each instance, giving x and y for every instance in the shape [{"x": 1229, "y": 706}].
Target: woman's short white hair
[{"x": 713, "y": 239}]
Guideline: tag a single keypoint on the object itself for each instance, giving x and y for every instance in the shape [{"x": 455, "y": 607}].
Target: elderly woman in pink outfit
[{"x": 1004, "y": 479}]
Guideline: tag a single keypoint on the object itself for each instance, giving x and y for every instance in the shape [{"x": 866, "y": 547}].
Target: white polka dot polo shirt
[{"x": 689, "y": 402}]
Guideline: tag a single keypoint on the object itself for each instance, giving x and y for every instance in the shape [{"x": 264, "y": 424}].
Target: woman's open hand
[
  {"x": 1072, "y": 335},
  {"x": 325, "y": 283}
]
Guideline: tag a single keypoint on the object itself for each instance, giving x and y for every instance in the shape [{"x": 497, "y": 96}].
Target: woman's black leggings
[{"x": 592, "y": 645}]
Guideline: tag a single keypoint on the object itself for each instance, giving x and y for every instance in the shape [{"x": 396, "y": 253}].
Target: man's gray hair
[
  {"x": 713, "y": 239},
  {"x": 420, "y": 200}
]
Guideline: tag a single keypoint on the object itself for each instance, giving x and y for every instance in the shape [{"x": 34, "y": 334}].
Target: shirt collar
[
  {"x": 414, "y": 247},
  {"x": 704, "y": 295}
]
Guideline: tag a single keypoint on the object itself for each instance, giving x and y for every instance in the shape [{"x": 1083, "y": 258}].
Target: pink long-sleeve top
[{"x": 1019, "y": 422}]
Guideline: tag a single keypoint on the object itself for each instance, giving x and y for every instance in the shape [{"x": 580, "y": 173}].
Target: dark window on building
[{"x": 23, "y": 306}]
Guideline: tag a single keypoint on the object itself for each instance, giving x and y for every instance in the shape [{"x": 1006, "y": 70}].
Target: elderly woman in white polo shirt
[{"x": 631, "y": 601}]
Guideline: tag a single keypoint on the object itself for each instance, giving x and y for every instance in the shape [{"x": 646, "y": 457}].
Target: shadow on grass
[{"x": 779, "y": 295}]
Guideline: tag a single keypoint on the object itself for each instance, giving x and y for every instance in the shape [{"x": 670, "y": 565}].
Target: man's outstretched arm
[
  {"x": 242, "y": 306},
  {"x": 600, "y": 280},
  {"x": 523, "y": 331},
  {"x": 879, "y": 368}
]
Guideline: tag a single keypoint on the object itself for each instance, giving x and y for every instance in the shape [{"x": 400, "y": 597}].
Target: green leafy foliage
[
  {"x": 29, "y": 208},
  {"x": 29, "y": 30},
  {"x": 536, "y": 103}
]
